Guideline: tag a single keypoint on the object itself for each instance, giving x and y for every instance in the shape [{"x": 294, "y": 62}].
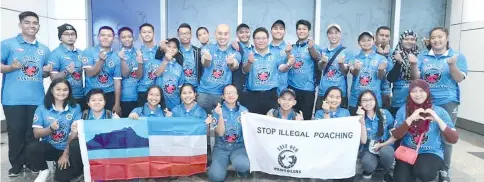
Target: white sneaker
[{"x": 43, "y": 176}]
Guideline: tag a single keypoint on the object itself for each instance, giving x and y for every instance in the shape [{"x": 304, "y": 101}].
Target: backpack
[{"x": 85, "y": 114}]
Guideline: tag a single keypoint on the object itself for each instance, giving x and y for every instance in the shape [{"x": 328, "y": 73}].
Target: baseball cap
[
  {"x": 334, "y": 25},
  {"x": 288, "y": 90},
  {"x": 367, "y": 33},
  {"x": 243, "y": 25},
  {"x": 279, "y": 22}
]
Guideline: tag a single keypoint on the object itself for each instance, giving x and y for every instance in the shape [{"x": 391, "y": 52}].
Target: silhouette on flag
[{"x": 123, "y": 149}]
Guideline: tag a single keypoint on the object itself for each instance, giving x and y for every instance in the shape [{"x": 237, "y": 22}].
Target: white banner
[{"x": 324, "y": 149}]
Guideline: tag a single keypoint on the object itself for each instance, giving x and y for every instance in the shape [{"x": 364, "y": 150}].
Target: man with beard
[
  {"x": 301, "y": 77},
  {"x": 67, "y": 62},
  {"x": 218, "y": 60},
  {"x": 103, "y": 69},
  {"x": 262, "y": 67},
  {"x": 150, "y": 61},
  {"x": 24, "y": 65},
  {"x": 192, "y": 64}
]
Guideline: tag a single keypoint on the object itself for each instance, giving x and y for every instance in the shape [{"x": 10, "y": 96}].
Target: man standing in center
[
  {"x": 218, "y": 60},
  {"x": 301, "y": 77}
]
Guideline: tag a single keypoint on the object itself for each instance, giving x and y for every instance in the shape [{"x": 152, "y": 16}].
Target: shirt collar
[
  {"x": 147, "y": 108},
  {"x": 362, "y": 54},
  {"x": 21, "y": 40},
  {"x": 183, "y": 49},
  {"x": 336, "y": 48},
  {"x": 65, "y": 108},
  {"x": 281, "y": 45},
  {"x": 195, "y": 106},
  {"x": 99, "y": 48},
  {"x": 102, "y": 116},
  {"x": 132, "y": 49},
  {"x": 145, "y": 48},
  {"x": 257, "y": 52},
  {"x": 446, "y": 53},
  {"x": 65, "y": 49}
]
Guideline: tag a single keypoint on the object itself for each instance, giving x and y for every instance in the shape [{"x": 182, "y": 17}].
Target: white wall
[
  {"x": 467, "y": 36},
  {"x": 52, "y": 13}
]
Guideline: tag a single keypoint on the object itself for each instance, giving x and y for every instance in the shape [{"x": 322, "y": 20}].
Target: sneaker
[
  {"x": 28, "y": 170},
  {"x": 444, "y": 176},
  {"x": 388, "y": 177},
  {"x": 13, "y": 172},
  {"x": 43, "y": 176},
  {"x": 367, "y": 175}
]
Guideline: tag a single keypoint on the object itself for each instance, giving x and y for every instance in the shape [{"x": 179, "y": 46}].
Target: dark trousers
[
  {"x": 38, "y": 153},
  {"x": 141, "y": 99},
  {"x": 394, "y": 111},
  {"x": 109, "y": 100},
  {"x": 20, "y": 133},
  {"x": 451, "y": 108},
  {"x": 425, "y": 169},
  {"x": 82, "y": 102},
  {"x": 319, "y": 103},
  {"x": 261, "y": 101},
  {"x": 127, "y": 107},
  {"x": 305, "y": 102}
]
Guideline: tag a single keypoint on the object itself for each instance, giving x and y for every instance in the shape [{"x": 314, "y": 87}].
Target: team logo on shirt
[
  {"x": 282, "y": 53},
  {"x": 79, "y": 57},
  {"x": 432, "y": 76},
  {"x": 331, "y": 72},
  {"x": 263, "y": 74},
  {"x": 169, "y": 86},
  {"x": 132, "y": 74},
  {"x": 298, "y": 64},
  {"x": 152, "y": 74},
  {"x": 69, "y": 117},
  {"x": 76, "y": 75},
  {"x": 30, "y": 66},
  {"x": 111, "y": 64},
  {"x": 40, "y": 52},
  {"x": 59, "y": 134},
  {"x": 187, "y": 69},
  {"x": 374, "y": 62},
  {"x": 218, "y": 72},
  {"x": 103, "y": 77},
  {"x": 231, "y": 134},
  {"x": 415, "y": 138},
  {"x": 365, "y": 79}
]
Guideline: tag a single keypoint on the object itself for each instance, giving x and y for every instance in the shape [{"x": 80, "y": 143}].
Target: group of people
[{"x": 220, "y": 80}]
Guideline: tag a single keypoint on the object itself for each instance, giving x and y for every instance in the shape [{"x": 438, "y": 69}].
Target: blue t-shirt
[
  {"x": 367, "y": 78},
  {"x": 277, "y": 114},
  {"x": 385, "y": 87},
  {"x": 233, "y": 128},
  {"x": 400, "y": 92},
  {"x": 372, "y": 127},
  {"x": 196, "y": 111},
  {"x": 150, "y": 64},
  {"x": 129, "y": 84},
  {"x": 301, "y": 75},
  {"x": 110, "y": 71},
  {"x": 43, "y": 118},
  {"x": 435, "y": 71},
  {"x": 218, "y": 74},
  {"x": 282, "y": 76},
  {"x": 190, "y": 70},
  {"x": 28, "y": 79},
  {"x": 341, "y": 112},
  {"x": 334, "y": 77},
  {"x": 170, "y": 81},
  {"x": 432, "y": 140},
  {"x": 145, "y": 111},
  {"x": 60, "y": 59},
  {"x": 264, "y": 71}
]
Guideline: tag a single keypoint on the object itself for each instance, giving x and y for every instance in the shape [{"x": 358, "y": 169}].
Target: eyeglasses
[
  {"x": 260, "y": 38},
  {"x": 69, "y": 34}
]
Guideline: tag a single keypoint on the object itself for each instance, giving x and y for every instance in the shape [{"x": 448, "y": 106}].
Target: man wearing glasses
[{"x": 66, "y": 62}]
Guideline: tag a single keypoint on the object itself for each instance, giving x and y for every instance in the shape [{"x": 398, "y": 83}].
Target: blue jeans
[
  {"x": 226, "y": 154},
  {"x": 208, "y": 101},
  {"x": 385, "y": 157}
]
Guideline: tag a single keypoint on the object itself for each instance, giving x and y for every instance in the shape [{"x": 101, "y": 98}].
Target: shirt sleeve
[
  {"x": 117, "y": 69},
  {"x": 238, "y": 57},
  {"x": 390, "y": 120},
  {"x": 462, "y": 64},
  {"x": 444, "y": 115},
  {"x": 319, "y": 114},
  {"x": 54, "y": 60},
  {"x": 77, "y": 113},
  {"x": 5, "y": 52},
  {"x": 389, "y": 64},
  {"x": 46, "y": 55},
  {"x": 137, "y": 111},
  {"x": 87, "y": 59},
  {"x": 400, "y": 117},
  {"x": 38, "y": 120},
  {"x": 345, "y": 113},
  {"x": 420, "y": 59}
]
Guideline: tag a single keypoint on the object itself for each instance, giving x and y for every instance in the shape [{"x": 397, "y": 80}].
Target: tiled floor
[{"x": 466, "y": 167}]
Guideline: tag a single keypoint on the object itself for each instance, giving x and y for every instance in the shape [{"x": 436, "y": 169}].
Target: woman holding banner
[
  {"x": 229, "y": 144},
  {"x": 420, "y": 125},
  {"x": 52, "y": 122}
]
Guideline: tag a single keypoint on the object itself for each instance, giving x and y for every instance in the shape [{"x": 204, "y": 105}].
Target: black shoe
[
  {"x": 388, "y": 177},
  {"x": 367, "y": 175},
  {"x": 14, "y": 172},
  {"x": 28, "y": 170}
]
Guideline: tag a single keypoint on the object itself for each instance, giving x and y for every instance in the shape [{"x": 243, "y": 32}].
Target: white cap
[{"x": 335, "y": 26}]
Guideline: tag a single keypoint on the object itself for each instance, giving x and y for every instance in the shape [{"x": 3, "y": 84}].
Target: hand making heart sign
[{"x": 424, "y": 114}]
